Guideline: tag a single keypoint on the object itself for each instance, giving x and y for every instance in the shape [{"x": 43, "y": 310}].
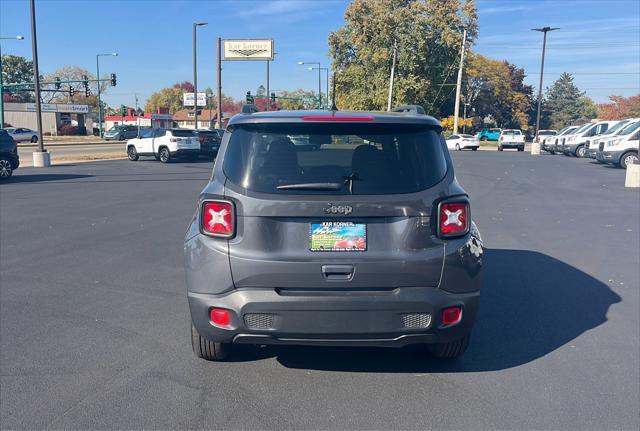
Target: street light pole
[
  {"x": 1, "y": 88},
  {"x": 535, "y": 147},
  {"x": 195, "y": 74},
  {"x": 456, "y": 108},
  {"x": 114, "y": 54},
  {"x": 319, "y": 80},
  {"x": 326, "y": 69},
  {"x": 40, "y": 157}
]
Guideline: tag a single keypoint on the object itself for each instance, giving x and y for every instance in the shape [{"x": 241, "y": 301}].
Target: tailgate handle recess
[{"x": 337, "y": 272}]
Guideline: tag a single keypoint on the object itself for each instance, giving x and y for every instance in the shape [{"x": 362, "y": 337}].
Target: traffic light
[
  {"x": 57, "y": 83},
  {"x": 113, "y": 79},
  {"x": 123, "y": 110},
  {"x": 273, "y": 98},
  {"x": 72, "y": 91},
  {"x": 249, "y": 98},
  {"x": 85, "y": 81},
  {"x": 87, "y": 91}
]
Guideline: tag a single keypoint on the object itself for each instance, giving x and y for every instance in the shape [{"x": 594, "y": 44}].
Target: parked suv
[
  {"x": 164, "y": 145},
  {"x": 121, "y": 133},
  {"x": 366, "y": 239},
  {"x": 489, "y": 134},
  {"x": 9, "y": 160}
]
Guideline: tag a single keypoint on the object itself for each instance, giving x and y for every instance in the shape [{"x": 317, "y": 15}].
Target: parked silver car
[{"x": 22, "y": 134}]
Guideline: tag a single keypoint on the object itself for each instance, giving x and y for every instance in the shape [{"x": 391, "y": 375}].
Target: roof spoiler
[
  {"x": 410, "y": 109},
  {"x": 249, "y": 109}
]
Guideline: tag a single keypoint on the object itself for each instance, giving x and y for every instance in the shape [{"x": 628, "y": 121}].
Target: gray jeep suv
[{"x": 362, "y": 239}]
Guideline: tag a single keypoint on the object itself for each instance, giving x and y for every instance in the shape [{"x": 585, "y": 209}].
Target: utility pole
[
  {"x": 195, "y": 74},
  {"x": 220, "y": 83},
  {"x": 41, "y": 157},
  {"x": 393, "y": 70},
  {"x": 456, "y": 109},
  {"x": 535, "y": 147},
  {"x": 268, "y": 94}
]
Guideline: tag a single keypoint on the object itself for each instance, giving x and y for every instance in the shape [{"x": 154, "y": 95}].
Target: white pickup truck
[
  {"x": 164, "y": 144},
  {"x": 511, "y": 138}
]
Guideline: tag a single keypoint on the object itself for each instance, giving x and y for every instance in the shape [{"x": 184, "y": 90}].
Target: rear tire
[
  {"x": 450, "y": 350},
  {"x": 121, "y": 138},
  {"x": 6, "y": 168},
  {"x": 520, "y": 148},
  {"x": 132, "y": 153},
  {"x": 628, "y": 158},
  {"x": 500, "y": 148},
  {"x": 209, "y": 350},
  {"x": 474, "y": 149},
  {"x": 165, "y": 155},
  {"x": 34, "y": 139},
  {"x": 457, "y": 147}
]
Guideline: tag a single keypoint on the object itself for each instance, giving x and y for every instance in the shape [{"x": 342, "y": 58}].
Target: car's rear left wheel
[
  {"x": 450, "y": 350},
  {"x": 209, "y": 350},
  {"x": 34, "y": 139},
  {"x": 165, "y": 156},
  {"x": 457, "y": 147}
]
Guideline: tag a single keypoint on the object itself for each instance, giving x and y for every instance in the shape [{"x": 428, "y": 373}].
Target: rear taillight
[
  {"x": 175, "y": 139},
  {"x": 217, "y": 218},
  {"x": 453, "y": 219}
]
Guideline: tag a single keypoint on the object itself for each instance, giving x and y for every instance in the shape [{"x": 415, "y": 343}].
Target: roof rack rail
[
  {"x": 410, "y": 109},
  {"x": 249, "y": 109}
]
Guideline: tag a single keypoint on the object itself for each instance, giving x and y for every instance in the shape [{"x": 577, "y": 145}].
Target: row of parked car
[
  {"x": 168, "y": 144},
  {"x": 614, "y": 142},
  {"x": 507, "y": 138}
]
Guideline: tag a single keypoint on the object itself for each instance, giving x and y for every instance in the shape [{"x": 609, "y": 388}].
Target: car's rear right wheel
[
  {"x": 6, "y": 168},
  {"x": 209, "y": 350},
  {"x": 500, "y": 148},
  {"x": 457, "y": 147},
  {"x": 121, "y": 138},
  {"x": 450, "y": 350}
]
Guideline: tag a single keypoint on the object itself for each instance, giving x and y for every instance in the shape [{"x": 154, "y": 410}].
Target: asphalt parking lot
[{"x": 94, "y": 321}]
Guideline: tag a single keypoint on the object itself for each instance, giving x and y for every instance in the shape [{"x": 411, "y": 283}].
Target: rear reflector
[
  {"x": 453, "y": 219},
  {"x": 337, "y": 118},
  {"x": 451, "y": 316},
  {"x": 217, "y": 218},
  {"x": 220, "y": 317}
]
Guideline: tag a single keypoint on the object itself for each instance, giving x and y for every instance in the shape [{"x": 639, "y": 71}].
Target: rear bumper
[
  {"x": 512, "y": 144},
  {"x": 363, "y": 318},
  {"x": 185, "y": 152}
]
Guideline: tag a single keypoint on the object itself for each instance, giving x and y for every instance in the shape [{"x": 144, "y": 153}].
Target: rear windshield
[
  {"x": 511, "y": 132},
  {"x": 335, "y": 158},
  {"x": 182, "y": 133}
]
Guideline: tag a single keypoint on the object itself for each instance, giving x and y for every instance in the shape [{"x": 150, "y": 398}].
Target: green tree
[
  {"x": 567, "y": 103},
  {"x": 16, "y": 69},
  {"x": 297, "y": 100},
  {"x": 428, "y": 35},
  {"x": 170, "y": 98}
]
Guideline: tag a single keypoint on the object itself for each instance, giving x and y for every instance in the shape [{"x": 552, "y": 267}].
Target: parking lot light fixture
[
  {"x": 18, "y": 37},
  {"x": 112, "y": 54},
  {"x": 319, "y": 79},
  {"x": 535, "y": 147}
]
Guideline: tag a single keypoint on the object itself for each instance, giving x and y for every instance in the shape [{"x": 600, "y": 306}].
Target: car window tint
[{"x": 380, "y": 159}]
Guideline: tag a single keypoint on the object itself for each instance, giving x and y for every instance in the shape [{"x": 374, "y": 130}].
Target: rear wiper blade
[{"x": 311, "y": 186}]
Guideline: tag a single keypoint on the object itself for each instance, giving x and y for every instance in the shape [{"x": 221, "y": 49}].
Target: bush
[{"x": 67, "y": 130}]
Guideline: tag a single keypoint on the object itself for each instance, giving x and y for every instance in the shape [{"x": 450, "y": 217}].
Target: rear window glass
[
  {"x": 335, "y": 158},
  {"x": 182, "y": 133},
  {"x": 511, "y": 132}
]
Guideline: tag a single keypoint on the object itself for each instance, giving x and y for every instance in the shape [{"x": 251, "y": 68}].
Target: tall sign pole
[
  {"x": 393, "y": 71},
  {"x": 220, "y": 83},
  {"x": 40, "y": 157},
  {"x": 456, "y": 109},
  {"x": 535, "y": 147},
  {"x": 268, "y": 94}
]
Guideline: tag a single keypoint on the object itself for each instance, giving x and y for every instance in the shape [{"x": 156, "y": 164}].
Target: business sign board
[
  {"x": 143, "y": 122},
  {"x": 188, "y": 99},
  {"x": 248, "y": 49},
  {"x": 59, "y": 107}
]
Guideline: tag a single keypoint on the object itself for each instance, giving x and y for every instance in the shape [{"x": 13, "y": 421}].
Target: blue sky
[{"x": 599, "y": 41}]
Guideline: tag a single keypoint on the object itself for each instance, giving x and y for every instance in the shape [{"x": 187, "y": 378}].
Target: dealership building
[{"x": 54, "y": 116}]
